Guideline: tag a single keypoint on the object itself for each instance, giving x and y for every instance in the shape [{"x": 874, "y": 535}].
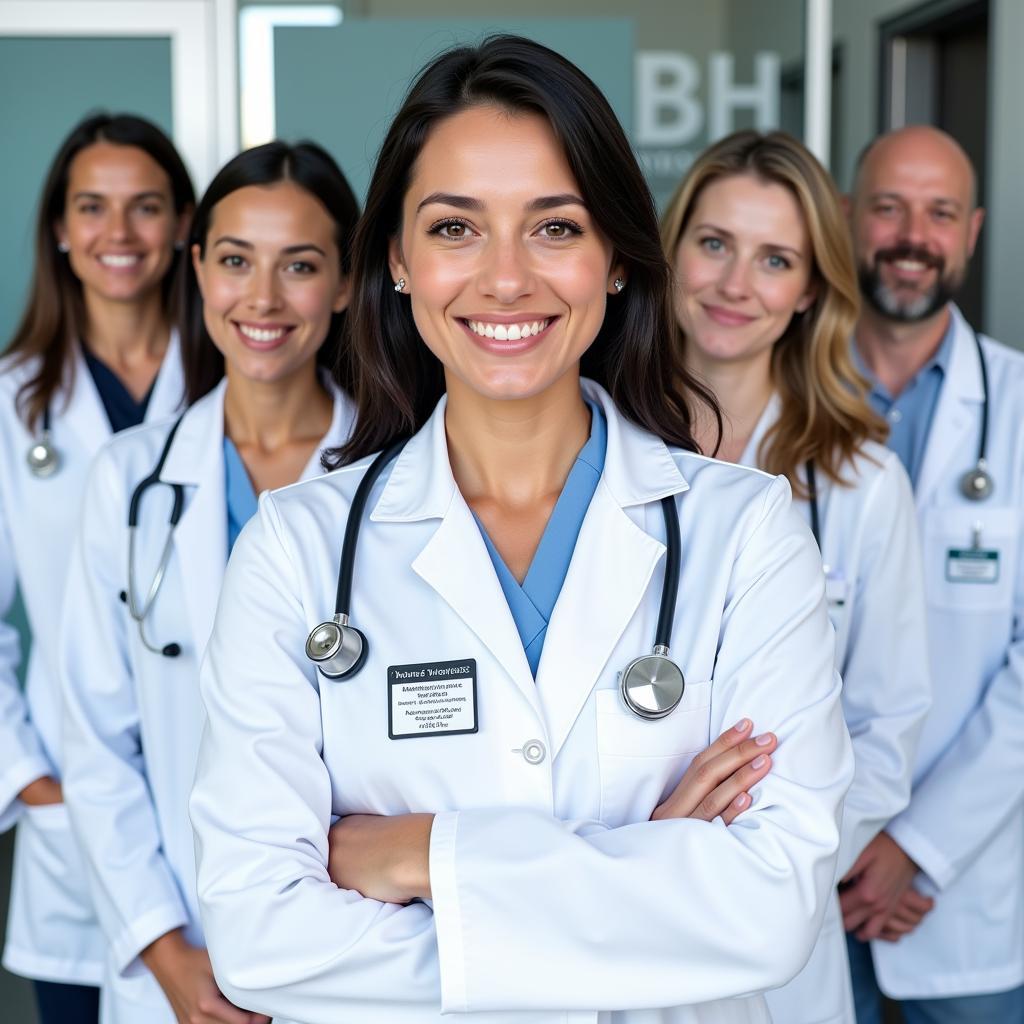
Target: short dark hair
[
  {"x": 54, "y": 314},
  {"x": 312, "y": 169},
  {"x": 397, "y": 380}
]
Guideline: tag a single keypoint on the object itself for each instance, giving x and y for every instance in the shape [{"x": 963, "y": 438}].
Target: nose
[
  {"x": 735, "y": 280},
  {"x": 264, "y": 291},
  {"x": 505, "y": 273},
  {"x": 914, "y": 226},
  {"x": 119, "y": 224}
]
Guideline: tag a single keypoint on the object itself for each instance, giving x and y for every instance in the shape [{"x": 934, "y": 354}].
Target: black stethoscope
[
  {"x": 42, "y": 457},
  {"x": 976, "y": 484},
  {"x": 651, "y": 686},
  {"x": 136, "y": 610}
]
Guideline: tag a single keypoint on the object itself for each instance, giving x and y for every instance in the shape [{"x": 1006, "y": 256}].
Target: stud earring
[
  {"x": 179, "y": 245},
  {"x": 618, "y": 284},
  {"x": 400, "y": 285},
  {"x": 63, "y": 247}
]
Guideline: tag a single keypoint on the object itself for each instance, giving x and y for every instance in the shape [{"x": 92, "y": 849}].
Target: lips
[
  {"x": 262, "y": 336},
  {"x": 726, "y": 317}
]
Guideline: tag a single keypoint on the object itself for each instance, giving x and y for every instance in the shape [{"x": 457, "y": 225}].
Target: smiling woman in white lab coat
[
  {"x": 95, "y": 352},
  {"x": 766, "y": 297},
  {"x": 264, "y": 297},
  {"x": 494, "y": 852}
]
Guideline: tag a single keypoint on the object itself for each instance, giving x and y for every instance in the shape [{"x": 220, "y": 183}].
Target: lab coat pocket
[
  {"x": 642, "y": 761},
  {"x": 971, "y": 557}
]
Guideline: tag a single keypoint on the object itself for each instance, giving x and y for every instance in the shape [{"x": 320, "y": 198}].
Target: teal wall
[
  {"x": 46, "y": 86},
  {"x": 340, "y": 86}
]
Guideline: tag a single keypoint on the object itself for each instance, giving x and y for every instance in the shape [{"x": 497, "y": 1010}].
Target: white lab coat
[
  {"x": 875, "y": 590},
  {"x": 52, "y": 932},
  {"x": 965, "y": 822},
  {"x": 554, "y": 897},
  {"x": 132, "y": 718}
]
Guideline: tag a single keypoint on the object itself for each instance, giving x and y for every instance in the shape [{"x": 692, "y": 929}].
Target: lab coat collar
[
  {"x": 956, "y": 414},
  {"x": 639, "y": 468},
  {"x": 85, "y": 415}
]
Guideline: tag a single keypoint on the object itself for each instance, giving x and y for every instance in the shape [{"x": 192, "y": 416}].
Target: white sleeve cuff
[
  {"x": 444, "y": 893},
  {"x": 922, "y": 851},
  {"x": 143, "y": 931}
]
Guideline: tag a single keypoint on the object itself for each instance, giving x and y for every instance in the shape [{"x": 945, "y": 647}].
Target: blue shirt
[
  {"x": 533, "y": 602},
  {"x": 241, "y": 498},
  {"x": 121, "y": 408},
  {"x": 910, "y": 413}
]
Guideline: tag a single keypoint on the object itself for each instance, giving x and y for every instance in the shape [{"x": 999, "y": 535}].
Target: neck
[
  {"x": 743, "y": 389},
  {"x": 895, "y": 352},
  {"x": 267, "y": 416},
  {"x": 515, "y": 453},
  {"x": 126, "y": 334}
]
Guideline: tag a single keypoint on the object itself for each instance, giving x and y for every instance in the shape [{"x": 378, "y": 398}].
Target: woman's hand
[
  {"x": 382, "y": 858},
  {"x": 185, "y": 975},
  {"x": 42, "y": 792},
  {"x": 717, "y": 780}
]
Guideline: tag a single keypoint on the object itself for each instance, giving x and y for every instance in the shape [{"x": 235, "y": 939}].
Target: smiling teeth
[
  {"x": 508, "y": 332},
  {"x": 257, "y": 334},
  {"x": 909, "y": 265},
  {"x": 112, "y": 260}
]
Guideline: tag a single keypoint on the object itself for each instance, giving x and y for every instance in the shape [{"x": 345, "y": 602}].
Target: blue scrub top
[
  {"x": 533, "y": 602},
  {"x": 121, "y": 408},
  {"x": 911, "y": 412},
  {"x": 241, "y": 498}
]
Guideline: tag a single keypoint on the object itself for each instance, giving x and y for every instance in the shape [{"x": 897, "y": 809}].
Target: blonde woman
[{"x": 766, "y": 300}]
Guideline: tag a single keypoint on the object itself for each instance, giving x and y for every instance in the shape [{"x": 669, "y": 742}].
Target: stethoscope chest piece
[
  {"x": 337, "y": 649},
  {"x": 42, "y": 458},
  {"x": 977, "y": 483},
  {"x": 652, "y": 685}
]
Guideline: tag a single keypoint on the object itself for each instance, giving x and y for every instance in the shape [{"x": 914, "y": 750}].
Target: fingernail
[
  {"x": 764, "y": 739},
  {"x": 741, "y": 801},
  {"x": 759, "y": 762},
  {"x": 742, "y": 725}
]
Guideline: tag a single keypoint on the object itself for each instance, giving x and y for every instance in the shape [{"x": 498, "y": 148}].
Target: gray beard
[{"x": 906, "y": 311}]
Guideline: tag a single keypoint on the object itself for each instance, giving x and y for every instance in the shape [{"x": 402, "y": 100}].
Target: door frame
[{"x": 204, "y": 63}]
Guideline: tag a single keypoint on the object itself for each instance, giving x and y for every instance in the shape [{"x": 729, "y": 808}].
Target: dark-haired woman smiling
[
  {"x": 265, "y": 297},
  {"x": 95, "y": 352},
  {"x": 493, "y": 772}
]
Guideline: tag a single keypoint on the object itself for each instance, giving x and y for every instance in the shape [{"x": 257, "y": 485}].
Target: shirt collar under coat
[{"x": 639, "y": 467}]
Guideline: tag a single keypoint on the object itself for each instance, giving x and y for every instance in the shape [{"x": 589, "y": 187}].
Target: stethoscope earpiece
[
  {"x": 652, "y": 685},
  {"x": 977, "y": 484},
  {"x": 337, "y": 649}
]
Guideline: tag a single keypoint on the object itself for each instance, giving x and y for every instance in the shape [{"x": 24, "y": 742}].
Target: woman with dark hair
[
  {"x": 96, "y": 351},
  {"x": 264, "y": 311},
  {"x": 448, "y": 808},
  {"x": 766, "y": 299}
]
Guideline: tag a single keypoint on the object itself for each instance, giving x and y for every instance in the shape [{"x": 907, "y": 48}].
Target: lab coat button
[{"x": 533, "y": 751}]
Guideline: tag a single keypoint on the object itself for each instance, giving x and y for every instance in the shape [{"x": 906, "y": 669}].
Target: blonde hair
[{"x": 825, "y": 414}]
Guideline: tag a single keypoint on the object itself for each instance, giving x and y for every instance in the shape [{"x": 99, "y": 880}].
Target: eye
[
  {"x": 777, "y": 262},
  {"x": 453, "y": 228},
  {"x": 885, "y": 209},
  {"x": 943, "y": 215},
  {"x": 301, "y": 267},
  {"x": 151, "y": 209},
  {"x": 712, "y": 244},
  {"x": 88, "y": 207},
  {"x": 232, "y": 261},
  {"x": 558, "y": 228}
]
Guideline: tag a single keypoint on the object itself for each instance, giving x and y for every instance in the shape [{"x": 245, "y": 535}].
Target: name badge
[
  {"x": 436, "y": 698},
  {"x": 972, "y": 565}
]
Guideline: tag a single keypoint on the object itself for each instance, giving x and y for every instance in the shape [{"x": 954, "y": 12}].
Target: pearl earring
[
  {"x": 63, "y": 247},
  {"x": 619, "y": 284},
  {"x": 400, "y": 285}
]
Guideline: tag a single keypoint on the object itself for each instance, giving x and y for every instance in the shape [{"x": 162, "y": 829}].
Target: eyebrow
[
  {"x": 476, "y": 205},
  {"x": 768, "y": 245},
  {"x": 941, "y": 200},
  {"x": 138, "y": 195},
  {"x": 289, "y": 250}
]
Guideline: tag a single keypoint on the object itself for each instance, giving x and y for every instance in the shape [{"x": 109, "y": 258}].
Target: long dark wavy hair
[
  {"x": 397, "y": 381},
  {"x": 54, "y": 315},
  {"x": 312, "y": 169}
]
